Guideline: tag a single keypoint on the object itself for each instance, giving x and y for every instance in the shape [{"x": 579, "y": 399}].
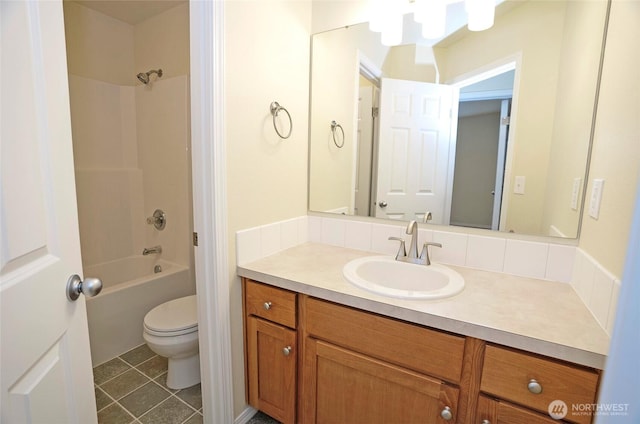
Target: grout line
[
  {"x": 117, "y": 375},
  {"x": 149, "y": 379},
  {"x": 190, "y": 416}
]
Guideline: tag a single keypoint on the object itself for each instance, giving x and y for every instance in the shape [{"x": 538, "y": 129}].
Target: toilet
[{"x": 171, "y": 330}]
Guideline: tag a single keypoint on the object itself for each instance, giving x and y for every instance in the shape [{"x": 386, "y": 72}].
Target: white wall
[{"x": 266, "y": 59}]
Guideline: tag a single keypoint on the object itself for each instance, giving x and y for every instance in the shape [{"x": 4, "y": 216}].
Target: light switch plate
[
  {"x": 518, "y": 186},
  {"x": 596, "y": 197}
]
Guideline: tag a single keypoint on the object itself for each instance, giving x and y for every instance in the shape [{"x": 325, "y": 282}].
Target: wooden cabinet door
[
  {"x": 499, "y": 412},
  {"x": 271, "y": 366},
  {"x": 341, "y": 386}
]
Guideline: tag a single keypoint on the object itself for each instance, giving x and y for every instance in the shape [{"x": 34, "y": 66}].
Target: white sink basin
[{"x": 388, "y": 277}]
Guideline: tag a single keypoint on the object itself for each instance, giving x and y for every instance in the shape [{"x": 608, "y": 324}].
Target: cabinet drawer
[
  {"x": 507, "y": 374},
  {"x": 270, "y": 303},
  {"x": 499, "y": 412},
  {"x": 418, "y": 348}
]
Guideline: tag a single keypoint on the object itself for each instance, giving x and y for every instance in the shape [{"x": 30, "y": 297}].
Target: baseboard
[{"x": 245, "y": 415}]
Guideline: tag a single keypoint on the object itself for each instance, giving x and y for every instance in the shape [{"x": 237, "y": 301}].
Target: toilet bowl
[{"x": 171, "y": 330}]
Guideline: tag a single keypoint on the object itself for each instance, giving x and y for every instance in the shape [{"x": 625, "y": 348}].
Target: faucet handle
[
  {"x": 402, "y": 252},
  {"x": 425, "y": 251}
]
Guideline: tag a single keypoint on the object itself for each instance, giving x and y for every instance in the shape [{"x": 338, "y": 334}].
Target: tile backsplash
[{"x": 596, "y": 287}]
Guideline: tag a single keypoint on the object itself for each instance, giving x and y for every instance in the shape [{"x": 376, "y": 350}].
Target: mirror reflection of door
[
  {"x": 479, "y": 170},
  {"x": 481, "y": 147},
  {"x": 417, "y": 141},
  {"x": 368, "y": 98}
]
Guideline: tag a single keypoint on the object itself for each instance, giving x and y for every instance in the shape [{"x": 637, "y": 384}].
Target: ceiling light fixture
[
  {"x": 480, "y": 14},
  {"x": 387, "y": 17}
]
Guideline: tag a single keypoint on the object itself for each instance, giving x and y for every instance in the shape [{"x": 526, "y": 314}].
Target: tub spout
[{"x": 150, "y": 250}]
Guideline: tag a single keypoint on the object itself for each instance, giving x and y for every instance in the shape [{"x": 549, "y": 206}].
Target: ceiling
[{"x": 130, "y": 11}]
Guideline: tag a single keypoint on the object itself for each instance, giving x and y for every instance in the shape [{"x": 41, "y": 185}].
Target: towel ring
[
  {"x": 275, "y": 109},
  {"x": 335, "y": 125}
]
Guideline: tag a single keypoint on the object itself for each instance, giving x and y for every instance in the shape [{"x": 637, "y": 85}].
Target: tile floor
[
  {"x": 132, "y": 389},
  {"x": 262, "y": 418}
]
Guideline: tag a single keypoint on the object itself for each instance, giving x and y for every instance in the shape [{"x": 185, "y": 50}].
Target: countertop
[{"x": 538, "y": 316}]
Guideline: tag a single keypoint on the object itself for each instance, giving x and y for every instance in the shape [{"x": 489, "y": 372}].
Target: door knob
[
  {"x": 446, "y": 414},
  {"x": 89, "y": 287},
  {"x": 534, "y": 387},
  {"x": 383, "y": 204}
]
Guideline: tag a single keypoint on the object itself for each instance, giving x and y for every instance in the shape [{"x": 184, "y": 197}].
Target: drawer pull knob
[
  {"x": 446, "y": 413},
  {"x": 286, "y": 351},
  {"x": 534, "y": 387},
  {"x": 485, "y": 422},
  {"x": 267, "y": 305}
]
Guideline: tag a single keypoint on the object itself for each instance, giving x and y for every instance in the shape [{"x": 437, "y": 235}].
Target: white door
[
  {"x": 46, "y": 368},
  {"x": 417, "y": 141}
]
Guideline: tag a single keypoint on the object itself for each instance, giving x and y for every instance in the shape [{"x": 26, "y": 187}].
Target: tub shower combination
[{"x": 132, "y": 286}]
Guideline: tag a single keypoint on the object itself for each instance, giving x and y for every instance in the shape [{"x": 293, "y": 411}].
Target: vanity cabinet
[
  {"x": 361, "y": 367},
  {"x": 271, "y": 350},
  {"x": 535, "y": 382},
  {"x": 312, "y": 361},
  {"x": 493, "y": 411}
]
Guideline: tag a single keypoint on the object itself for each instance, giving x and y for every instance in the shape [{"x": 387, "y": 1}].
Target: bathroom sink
[{"x": 388, "y": 277}]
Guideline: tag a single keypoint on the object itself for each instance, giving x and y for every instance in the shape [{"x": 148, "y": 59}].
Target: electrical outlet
[
  {"x": 518, "y": 186},
  {"x": 596, "y": 197}
]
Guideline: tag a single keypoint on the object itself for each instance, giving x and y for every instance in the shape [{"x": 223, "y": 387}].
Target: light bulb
[
  {"x": 392, "y": 32},
  {"x": 434, "y": 19},
  {"x": 480, "y": 14}
]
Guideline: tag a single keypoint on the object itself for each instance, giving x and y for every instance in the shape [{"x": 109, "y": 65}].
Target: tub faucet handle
[{"x": 158, "y": 220}]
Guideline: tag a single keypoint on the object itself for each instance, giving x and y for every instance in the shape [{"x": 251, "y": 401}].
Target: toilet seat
[{"x": 173, "y": 318}]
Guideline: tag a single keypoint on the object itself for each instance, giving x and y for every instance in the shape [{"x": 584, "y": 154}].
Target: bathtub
[{"x": 130, "y": 289}]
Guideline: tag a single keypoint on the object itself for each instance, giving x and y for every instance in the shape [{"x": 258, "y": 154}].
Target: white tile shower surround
[{"x": 597, "y": 287}]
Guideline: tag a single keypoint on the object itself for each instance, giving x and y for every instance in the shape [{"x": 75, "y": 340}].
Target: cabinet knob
[
  {"x": 485, "y": 422},
  {"x": 286, "y": 351},
  {"x": 534, "y": 387},
  {"x": 267, "y": 305},
  {"x": 446, "y": 413}
]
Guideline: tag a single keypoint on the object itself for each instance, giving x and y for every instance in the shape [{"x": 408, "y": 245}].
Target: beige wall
[
  {"x": 402, "y": 62},
  {"x": 334, "y": 93},
  {"x": 266, "y": 59},
  {"x": 163, "y": 42},
  {"x": 533, "y": 31},
  {"x": 98, "y": 46},
  {"x": 579, "y": 64},
  {"x": 616, "y": 148}
]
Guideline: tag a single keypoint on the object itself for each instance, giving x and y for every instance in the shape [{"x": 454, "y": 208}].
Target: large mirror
[{"x": 483, "y": 129}]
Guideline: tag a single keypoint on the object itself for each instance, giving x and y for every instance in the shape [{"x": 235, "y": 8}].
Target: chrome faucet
[
  {"x": 150, "y": 250},
  {"x": 412, "y": 255},
  {"x": 412, "y": 229}
]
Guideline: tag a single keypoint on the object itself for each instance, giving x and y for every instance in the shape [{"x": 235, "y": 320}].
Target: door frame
[
  {"x": 366, "y": 68},
  {"x": 210, "y": 208}
]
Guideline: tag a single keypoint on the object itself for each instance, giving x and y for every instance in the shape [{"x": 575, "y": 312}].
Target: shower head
[{"x": 144, "y": 77}]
